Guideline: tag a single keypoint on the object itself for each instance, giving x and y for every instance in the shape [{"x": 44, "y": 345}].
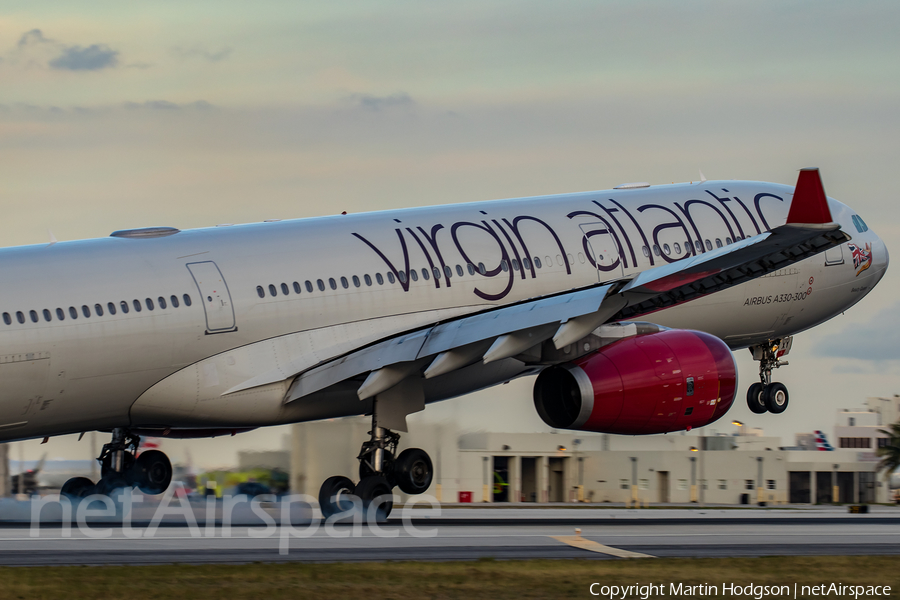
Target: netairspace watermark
[
  {"x": 737, "y": 590},
  {"x": 96, "y": 516}
]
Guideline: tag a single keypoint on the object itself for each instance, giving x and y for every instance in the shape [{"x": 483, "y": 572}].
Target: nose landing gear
[
  {"x": 769, "y": 396},
  {"x": 380, "y": 470},
  {"x": 150, "y": 472}
]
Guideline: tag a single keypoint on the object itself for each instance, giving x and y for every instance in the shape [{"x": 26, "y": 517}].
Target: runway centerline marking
[{"x": 576, "y": 541}]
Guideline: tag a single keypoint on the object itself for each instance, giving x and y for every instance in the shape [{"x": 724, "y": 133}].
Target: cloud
[
  {"x": 875, "y": 340},
  {"x": 165, "y": 105},
  {"x": 90, "y": 58},
  {"x": 379, "y": 103},
  {"x": 204, "y": 53},
  {"x": 35, "y": 36}
]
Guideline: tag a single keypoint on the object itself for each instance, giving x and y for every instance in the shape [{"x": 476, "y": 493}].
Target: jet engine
[{"x": 671, "y": 380}]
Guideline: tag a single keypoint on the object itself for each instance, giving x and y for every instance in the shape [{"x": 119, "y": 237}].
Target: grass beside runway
[{"x": 485, "y": 578}]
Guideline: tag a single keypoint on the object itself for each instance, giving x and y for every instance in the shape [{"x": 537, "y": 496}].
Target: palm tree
[{"x": 890, "y": 454}]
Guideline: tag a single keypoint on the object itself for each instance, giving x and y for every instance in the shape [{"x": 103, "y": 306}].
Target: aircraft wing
[{"x": 509, "y": 331}]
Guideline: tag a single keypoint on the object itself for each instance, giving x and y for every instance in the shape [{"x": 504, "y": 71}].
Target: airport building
[{"x": 739, "y": 468}]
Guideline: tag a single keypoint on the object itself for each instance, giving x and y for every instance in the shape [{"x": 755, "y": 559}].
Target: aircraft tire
[
  {"x": 756, "y": 399},
  {"x": 77, "y": 487},
  {"x": 413, "y": 471},
  {"x": 375, "y": 489},
  {"x": 334, "y": 495},
  {"x": 776, "y": 397},
  {"x": 111, "y": 484},
  {"x": 152, "y": 472}
]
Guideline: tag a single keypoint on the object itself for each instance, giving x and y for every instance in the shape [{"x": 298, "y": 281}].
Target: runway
[{"x": 466, "y": 534}]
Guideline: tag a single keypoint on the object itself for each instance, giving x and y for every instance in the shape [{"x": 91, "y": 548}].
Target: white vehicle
[{"x": 627, "y": 303}]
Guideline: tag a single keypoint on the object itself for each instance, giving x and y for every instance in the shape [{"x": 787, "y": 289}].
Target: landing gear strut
[
  {"x": 151, "y": 471},
  {"x": 769, "y": 396},
  {"x": 380, "y": 470}
]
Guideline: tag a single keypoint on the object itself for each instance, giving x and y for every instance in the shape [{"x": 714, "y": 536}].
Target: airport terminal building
[{"x": 742, "y": 467}]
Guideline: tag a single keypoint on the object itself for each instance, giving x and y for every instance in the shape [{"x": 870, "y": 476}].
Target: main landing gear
[
  {"x": 380, "y": 470},
  {"x": 150, "y": 472},
  {"x": 769, "y": 396}
]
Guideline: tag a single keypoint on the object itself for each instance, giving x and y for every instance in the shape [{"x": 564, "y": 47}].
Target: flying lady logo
[{"x": 862, "y": 257}]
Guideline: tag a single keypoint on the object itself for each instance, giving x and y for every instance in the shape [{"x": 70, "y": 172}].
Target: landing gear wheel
[
  {"x": 334, "y": 495},
  {"x": 111, "y": 484},
  {"x": 755, "y": 399},
  {"x": 413, "y": 471},
  {"x": 375, "y": 490},
  {"x": 387, "y": 467},
  {"x": 776, "y": 397},
  {"x": 152, "y": 472},
  {"x": 77, "y": 487}
]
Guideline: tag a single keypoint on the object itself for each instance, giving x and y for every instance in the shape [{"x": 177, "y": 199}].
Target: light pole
[
  {"x": 634, "y": 488},
  {"x": 693, "y": 475},
  {"x": 759, "y": 474}
]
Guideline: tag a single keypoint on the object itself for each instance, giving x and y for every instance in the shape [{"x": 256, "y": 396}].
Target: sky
[{"x": 118, "y": 115}]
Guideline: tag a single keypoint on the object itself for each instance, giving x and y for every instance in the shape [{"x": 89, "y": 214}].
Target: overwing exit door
[
  {"x": 603, "y": 250},
  {"x": 214, "y": 295}
]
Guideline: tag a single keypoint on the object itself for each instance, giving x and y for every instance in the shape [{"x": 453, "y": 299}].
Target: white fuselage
[{"x": 228, "y": 359}]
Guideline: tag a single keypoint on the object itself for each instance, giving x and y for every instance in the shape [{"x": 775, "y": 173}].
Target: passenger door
[{"x": 214, "y": 295}]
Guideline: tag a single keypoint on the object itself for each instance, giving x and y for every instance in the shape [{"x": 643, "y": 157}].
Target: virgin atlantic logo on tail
[{"x": 862, "y": 257}]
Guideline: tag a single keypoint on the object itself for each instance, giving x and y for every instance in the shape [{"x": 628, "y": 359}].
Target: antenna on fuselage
[{"x": 702, "y": 176}]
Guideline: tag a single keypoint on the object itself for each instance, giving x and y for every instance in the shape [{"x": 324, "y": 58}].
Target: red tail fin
[{"x": 809, "y": 206}]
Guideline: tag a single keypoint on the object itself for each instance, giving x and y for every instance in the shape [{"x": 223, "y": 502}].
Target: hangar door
[{"x": 214, "y": 295}]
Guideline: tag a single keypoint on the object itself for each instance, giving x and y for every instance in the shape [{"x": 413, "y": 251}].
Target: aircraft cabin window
[
  {"x": 481, "y": 269},
  {"x": 272, "y": 291},
  {"x": 85, "y": 311},
  {"x": 60, "y": 314},
  {"x": 425, "y": 275},
  {"x": 7, "y": 319},
  {"x": 47, "y": 316},
  {"x": 548, "y": 262},
  {"x": 537, "y": 262},
  {"x": 98, "y": 310},
  {"x": 655, "y": 249},
  {"x": 308, "y": 284},
  {"x": 162, "y": 302},
  {"x": 646, "y": 251},
  {"x": 666, "y": 250},
  {"x": 345, "y": 283},
  {"x": 321, "y": 285},
  {"x": 20, "y": 317},
  {"x": 124, "y": 306},
  {"x": 111, "y": 308},
  {"x": 471, "y": 268},
  {"x": 728, "y": 241},
  {"x": 699, "y": 246},
  {"x": 459, "y": 270},
  {"x": 187, "y": 300},
  {"x": 73, "y": 313},
  {"x": 137, "y": 305},
  {"x": 504, "y": 266},
  {"x": 448, "y": 272},
  {"x": 677, "y": 248},
  {"x": 390, "y": 277},
  {"x": 379, "y": 279},
  {"x": 296, "y": 287},
  {"x": 174, "y": 300},
  {"x": 284, "y": 289},
  {"x": 356, "y": 281},
  {"x": 368, "y": 279},
  {"x": 718, "y": 243},
  {"x": 708, "y": 245},
  {"x": 33, "y": 315},
  {"x": 437, "y": 272},
  {"x": 526, "y": 263},
  {"x": 149, "y": 303},
  {"x": 413, "y": 275},
  {"x": 332, "y": 283},
  {"x": 515, "y": 263}
]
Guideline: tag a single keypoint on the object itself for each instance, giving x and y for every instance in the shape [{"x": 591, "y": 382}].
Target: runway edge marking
[{"x": 576, "y": 541}]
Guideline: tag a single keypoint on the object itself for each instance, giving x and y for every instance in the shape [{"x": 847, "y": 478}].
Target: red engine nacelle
[{"x": 666, "y": 381}]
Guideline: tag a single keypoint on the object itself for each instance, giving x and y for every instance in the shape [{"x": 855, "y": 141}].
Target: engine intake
[{"x": 667, "y": 381}]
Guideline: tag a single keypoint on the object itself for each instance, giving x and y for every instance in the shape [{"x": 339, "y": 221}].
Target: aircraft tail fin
[
  {"x": 809, "y": 206},
  {"x": 822, "y": 444}
]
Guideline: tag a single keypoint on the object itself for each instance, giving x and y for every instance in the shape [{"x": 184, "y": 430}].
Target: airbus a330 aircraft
[{"x": 626, "y": 303}]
